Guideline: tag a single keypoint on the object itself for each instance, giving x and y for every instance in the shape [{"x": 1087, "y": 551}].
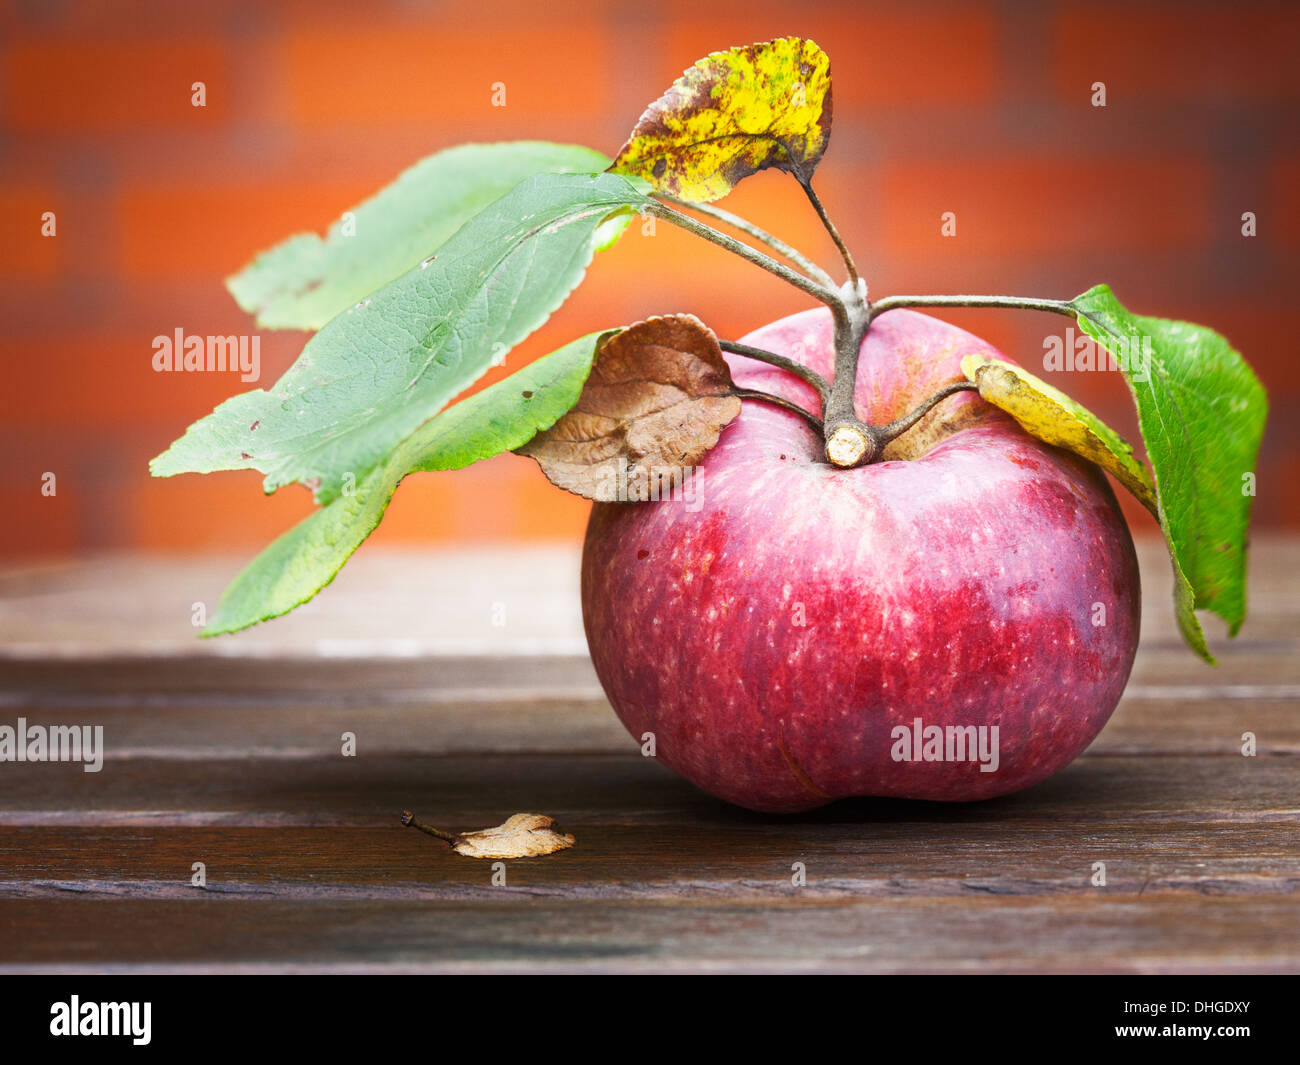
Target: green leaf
[
  {"x": 1052, "y": 416},
  {"x": 1201, "y": 411},
  {"x": 305, "y": 281},
  {"x": 375, "y": 373},
  {"x": 731, "y": 115},
  {"x": 505, "y": 416}
]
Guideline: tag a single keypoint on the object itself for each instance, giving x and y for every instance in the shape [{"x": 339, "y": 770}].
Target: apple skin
[{"x": 960, "y": 586}]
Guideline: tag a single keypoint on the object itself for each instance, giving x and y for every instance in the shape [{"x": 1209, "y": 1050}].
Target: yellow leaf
[
  {"x": 732, "y": 114},
  {"x": 1053, "y": 417}
]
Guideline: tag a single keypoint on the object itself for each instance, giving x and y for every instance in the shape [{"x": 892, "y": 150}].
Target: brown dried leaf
[
  {"x": 659, "y": 394},
  {"x": 521, "y": 836}
]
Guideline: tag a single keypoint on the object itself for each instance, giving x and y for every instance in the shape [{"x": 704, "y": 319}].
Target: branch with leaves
[{"x": 444, "y": 272}]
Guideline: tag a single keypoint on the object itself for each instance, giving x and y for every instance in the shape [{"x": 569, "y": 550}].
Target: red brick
[
  {"x": 107, "y": 380},
  {"x": 330, "y": 107},
  {"x": 427, "y": 508},
  {"x": 37, "y": 525},
  {"x": 1205, "y": 51},
  {"x": 1260, "y": 329},
  {"x": 56, "y": 85},
  {"x": 24, "y": 252},
  {"x": 212, "y": 512},
  {"x": 537, "y": 510},
  {"x": 379, "y": 76},
  {"x": 1283, "y": 502},
  {"x": 880, "y": 57},
  {"x": 446, "y": 14},
  {"x": 153, "y": 17},
  {"x": 1286, "y": 201},
  {"x": 1029, "y": 206},
  {"x": 193, "y": 230}
]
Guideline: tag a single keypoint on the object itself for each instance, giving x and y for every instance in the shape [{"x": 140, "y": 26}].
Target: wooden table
[{"x": 228, "y": 752}]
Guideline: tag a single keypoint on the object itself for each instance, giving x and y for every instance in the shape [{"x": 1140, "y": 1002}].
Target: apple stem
[
  {"x": 827, "y": 295},
  {"x": 409, "y": 820},
  {"x": 811, "y": 377},
  {"x": 849, "y": 440},
  {"x": 849, "y": 444},
  {"x": 843, "y": 248},
  {"x": 762, "y": 235},
  {"x": 780, "y": 401}
]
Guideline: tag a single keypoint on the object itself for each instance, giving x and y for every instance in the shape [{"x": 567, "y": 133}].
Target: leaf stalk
[
  {"x": 747, "y": 227},
  {"x": 825, "y": 294}
]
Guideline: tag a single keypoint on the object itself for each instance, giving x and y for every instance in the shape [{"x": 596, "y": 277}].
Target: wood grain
[
  {"x": 228, "y": 753},
  {"x": 1121, "y": 934}
]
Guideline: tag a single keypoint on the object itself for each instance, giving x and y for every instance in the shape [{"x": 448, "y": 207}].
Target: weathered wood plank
[
  {"x": 1148, "y": 933},
  {"x": 227, "y": 752},
  {"x": 480, "y": 790},
  {"x": 384, "y": 602},
  {"x": 869, "y": 859},
  {"x": 263, "y": 726},
  {"x": 1146, "y": 727},
  {"x": 1262, "y": 670}
]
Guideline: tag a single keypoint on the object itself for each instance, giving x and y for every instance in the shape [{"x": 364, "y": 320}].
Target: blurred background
[{"x": 984, "y": 110}]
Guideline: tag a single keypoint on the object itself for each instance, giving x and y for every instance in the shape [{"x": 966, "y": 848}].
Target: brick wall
[{"x": 979, "y": 109}]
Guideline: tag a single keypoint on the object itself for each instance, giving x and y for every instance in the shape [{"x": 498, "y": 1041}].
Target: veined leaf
[
  {"x": 1201, "y": 411},
  {"x": 657, "y": 399},
  {"x": 306, "y": 558},
  {"x": 1052, "y": 416},
  {"x": 732, "y": 114},
  {"x": 375, "y": 373},
  {"x": 305, "y": 281}
]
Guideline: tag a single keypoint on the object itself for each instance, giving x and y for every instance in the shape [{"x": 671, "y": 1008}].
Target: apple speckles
[{"x": 710, "y": 686}]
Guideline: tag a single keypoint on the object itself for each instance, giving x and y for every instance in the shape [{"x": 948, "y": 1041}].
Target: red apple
[{"x": 782, "y": 634}]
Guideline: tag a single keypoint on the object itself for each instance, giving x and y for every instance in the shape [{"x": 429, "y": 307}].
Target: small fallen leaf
[
  {"x": 520, "y": 836},
  {"x": 731, "y": 115},
  {"x": 659, "y": 394},
  {"x": 1053, "y": 417}
]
